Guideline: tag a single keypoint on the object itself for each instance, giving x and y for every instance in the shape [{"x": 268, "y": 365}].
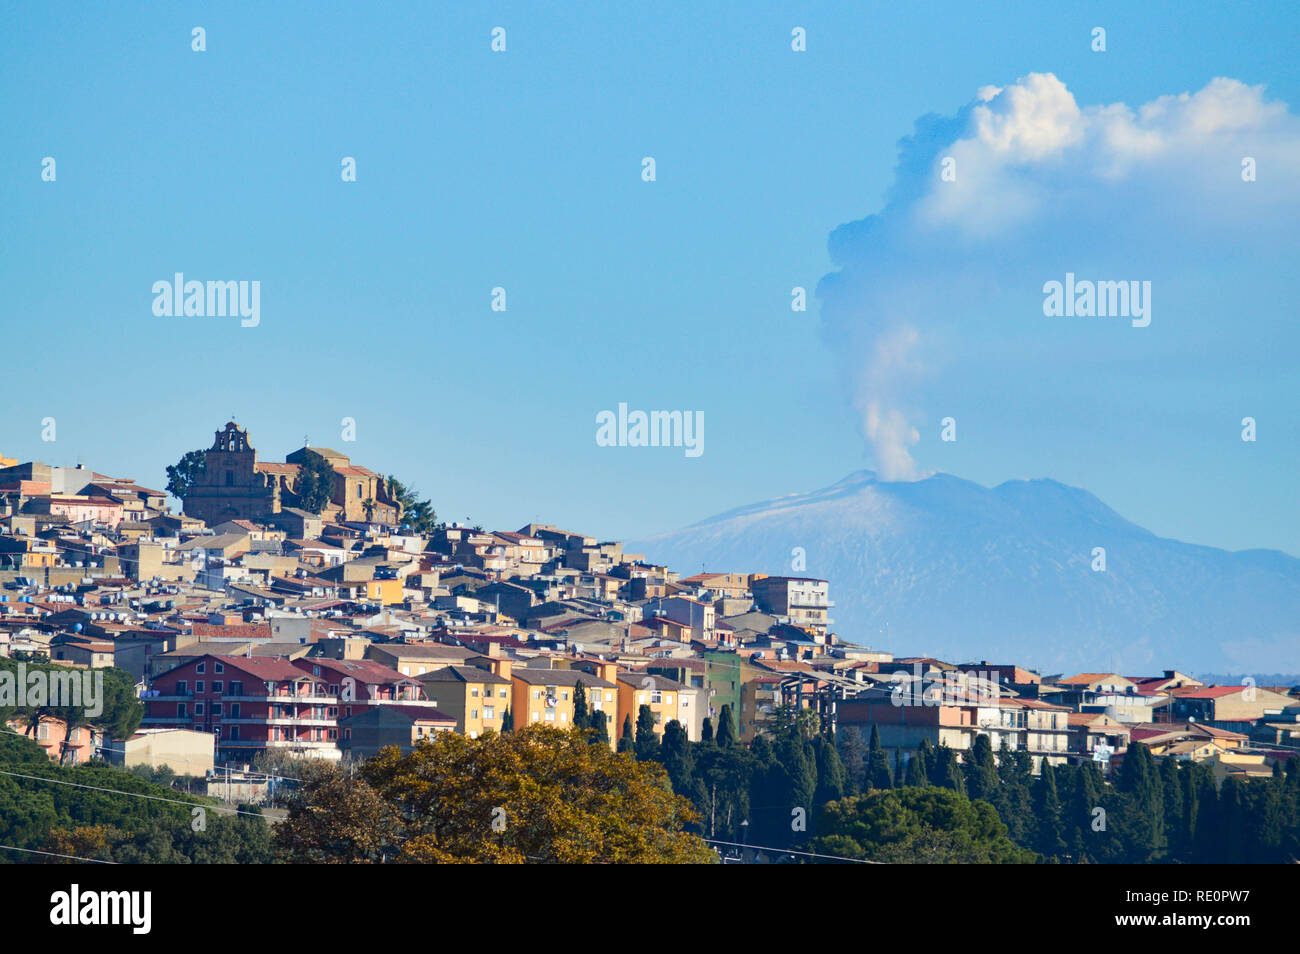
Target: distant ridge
[{"x": 949, "y": 568}]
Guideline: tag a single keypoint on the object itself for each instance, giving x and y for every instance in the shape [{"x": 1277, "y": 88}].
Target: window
[
  {"x": 201, "y": 668},
  {"x": 216, "y": 708},
  {"x": 236, "y": 688},
  {"x": 218, "y": 686},
  {"x": 180, "y": 710},
  {"x": 180, "y": 687},
  {"x": 473, "y": 713},
  {"x": 198, "y": 708},
  {"x": 218, "y": 668},
  {"x": 198, "y": 685},
  {"x": 473, "y": 693},
  {"x": 234, "y": 710},
  {"x": 489, "y": 712}
]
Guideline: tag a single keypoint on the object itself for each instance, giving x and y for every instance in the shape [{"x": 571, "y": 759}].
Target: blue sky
[{"x": 523, "y": 170}]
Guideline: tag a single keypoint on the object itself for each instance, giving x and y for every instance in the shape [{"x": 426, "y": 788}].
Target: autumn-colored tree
[{"x": 537, "y": 794}]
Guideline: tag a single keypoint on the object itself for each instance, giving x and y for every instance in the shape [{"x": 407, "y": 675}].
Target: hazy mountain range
[{"x": 948, "y": 568}]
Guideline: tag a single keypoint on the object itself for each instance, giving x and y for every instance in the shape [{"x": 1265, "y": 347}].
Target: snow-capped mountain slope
[{"x": 948, "y": 568}]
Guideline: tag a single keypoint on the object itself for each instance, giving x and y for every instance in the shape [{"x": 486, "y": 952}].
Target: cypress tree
[
  {"x": 925, "y": 761},
  {"x": 1145, "y": 829},
  {"x": 647, "y": 740},
  {"x": 599, "y": 727},
  {"x": 832, "y": 780},
  {"x": 914, "y": 772},
  {"x": 878, "y": 774},
  {"x": 726, "y": 727},
  {"x": 581, "y": 719},
  {"x": 981, "y": 773},
  {"x": 706, "y": 729},
  {"x": 626, "y": 741},
  {"x": 1047, "y": 814},
  {"x": 1171, "y": 790}
]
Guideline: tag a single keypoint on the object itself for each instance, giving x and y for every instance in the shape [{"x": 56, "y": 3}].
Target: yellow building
[
  {"x": 667, "y": 699},
  {"x": 476, "y": 698},
  {"x": 545, "y": 697}
]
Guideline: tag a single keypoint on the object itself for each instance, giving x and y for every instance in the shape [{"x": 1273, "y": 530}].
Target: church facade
[{"x": 235, "y": 485}]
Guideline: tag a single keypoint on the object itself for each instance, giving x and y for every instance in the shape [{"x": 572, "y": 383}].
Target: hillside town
[{"x": 254, "y": 626}]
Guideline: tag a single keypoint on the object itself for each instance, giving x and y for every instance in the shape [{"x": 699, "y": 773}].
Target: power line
[
  {"x": 53, "y": 854},
  {"x": 791, "y": 851},
  {"x": 155, "y": 798}
]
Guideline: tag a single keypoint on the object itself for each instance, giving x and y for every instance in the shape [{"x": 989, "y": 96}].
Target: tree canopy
[{"x": 536, "y": 794}]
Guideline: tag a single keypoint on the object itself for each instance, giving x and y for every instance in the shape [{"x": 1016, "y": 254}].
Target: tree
[
  {"x": 676, "y": 755},
  {"x": 417, "y": 514},
  {"x": 914, "y": 773},
  {"x": 981, "y": 775},
  {"x": 185, "y": 473},
  {"x": 581, "y": 719},
  {"x": 647, "y": 740},
  {"x": 599, "y": 728},
  {"x": 1145, "y": 830},
  {"x": 853, "y": 753},
  {"x": 706, "y": 729},
  {"x": 315, "y": 483},
  {"x": 917, "y": 825},
  {"x": 832, "y": 779},
  {"x": 878, "y": 774},
  {"x": 508, "y": 721},
  {"x": 726, "y": 727},
  {"x": 1047, "y": 814},
  {"x": 945, "y": 772},
  {"x": 627, "y": 739},
  {"x": 539, "y": 794}
]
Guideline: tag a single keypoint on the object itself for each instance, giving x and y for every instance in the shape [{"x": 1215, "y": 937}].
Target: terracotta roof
[
  {"x": 1211, "y": 692},
  {"x": 1085, "y": 678}
]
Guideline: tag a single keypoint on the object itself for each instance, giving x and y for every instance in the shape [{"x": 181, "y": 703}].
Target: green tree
[
  {"x": 878, "y": 774},
  {"x": 417, "y": 514},
  {"x": 726, "y": 727},
  {"x": 1144, "y": 821},
  {"x": 917, "y": 825},
  {"x": 581, "y": 717},
  {"x": 315, "y": 484},
  {"x": 981, "y": 775},
  {"x": 599, "y": 728},
  {"x": 627, "y": 738},
  {"x": 647, "y": 740},
  {"x": 184, "y": 474},
  {"x": 1047, "y": 814}
]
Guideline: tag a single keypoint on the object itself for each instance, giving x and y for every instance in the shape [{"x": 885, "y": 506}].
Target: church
[{"x": 235, "y": 485}]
